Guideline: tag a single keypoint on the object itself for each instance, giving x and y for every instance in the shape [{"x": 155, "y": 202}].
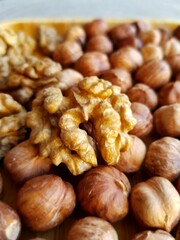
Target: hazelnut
[
  {"x": 142, "y": 26},
  {"x": 171, "y": 47},
  {"x": 96, "y": 27},
  {"x": 152, "y": 36},
  {"x": 142, "y": 93},
  {"x": 174, "y": 63},
  {"x": 131, "y": 41},
  {"x": 77, "y": 34},
  {"x": 163, "y": 158},
  {"x": 132, "y": 159},
  {"x": 154, "y": 73},
  {"x": 10, "y": 225},
  {"x": 178, "y": 232},
  {"x": 178, "y": 184},
  {"x": 92, "y": 63},
  {"x": 100, "y": 43},
  {"x": 119, "y": 77},
  {"x": 165, "y": 34},
  {"x": 45, "y": 201},
  {"x": 156, "y": 203},
  {"x": 127, "y": 58},
  {"x": 23, "y": 162},
  {"x": 92, "y": 228},
  {"x": 68, "y": 78},
  {"x": 103, "y": 191},
  {"x": 166, "y": 120},
  {"x": 121, "y": 31},
  {"x": 169, "y": 93},
  {"x": 153, "y": 235},
  {"x": 1, "y": 183},
  {"x": 176, "y": 32},
  {"x": 144, "y": 119},
  {"x": 151, "y": 51},
  {"x": 67, "y": 53}
]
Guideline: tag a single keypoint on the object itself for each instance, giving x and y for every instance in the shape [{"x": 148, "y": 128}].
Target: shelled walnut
[
  {"x": 12, "y": 123},
  {"x": 94, "y": 100}
]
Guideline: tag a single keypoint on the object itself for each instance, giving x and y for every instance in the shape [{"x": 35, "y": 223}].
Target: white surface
[{"x": 159, "y": 9}]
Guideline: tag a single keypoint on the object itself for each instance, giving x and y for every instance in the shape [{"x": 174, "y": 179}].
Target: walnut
[
  {"x": 12, "y": 122},
  {"x": 48, "y": 39},
  {"x": 60, "y": 137},
  {"x": 30, "y": 76}
]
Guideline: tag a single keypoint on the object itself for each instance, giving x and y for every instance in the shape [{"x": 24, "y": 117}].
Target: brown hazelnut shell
[
  {"x": 92, "y": 228},
  {"x": 156, "y": 203},
  {"x": 144, "y": 119},
  {"x": 10, "y": 225},
  {"x": 119, "y": 77},
  {"x": 103, "y": 191},
  {"x": 96, "y": 27},
  {"x": 169, "y": 93},
  {"x": 166, "y": 120},
  {"x": 142, "y": 93},
  {"x": 163, "y": 158},
  {"x": 23, "y": 162},
  {"x": 99, "y": 43},
  {"x": 153, "y": 235},
  {"x": 92, "y": 63},
  {"x": 154, "y": 73},
  {"x": 132, "y": 159},
  {"x": 45, "y": 201}
]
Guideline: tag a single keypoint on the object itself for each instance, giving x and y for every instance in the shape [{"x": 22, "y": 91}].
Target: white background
[{"x": 159, "y": 9}]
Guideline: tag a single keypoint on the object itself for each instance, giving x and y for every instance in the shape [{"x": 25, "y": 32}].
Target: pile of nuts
[{"x": 104, "y": 103}]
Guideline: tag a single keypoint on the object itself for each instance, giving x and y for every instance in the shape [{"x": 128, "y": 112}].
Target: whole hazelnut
[
  {"x": 68, "y": 78},
  {"x": 163, "y": 158},
  {"x": 67, "y": 53},
  {"x": 153, "y": 235},
  {"x": 45, "y": 201},
  {"x": 76, "y": 33},
  {"x": 176, "y": 32},
  {"x": 154, "y": 73},
  {"x": 166, "y": 120},
  {"x": 127, "y": 58},
  {"x": 23, "y": 162},
  {"x": 144, "y": 119},
  {"x": 132, "y": 159},
  {"x": 96, "y": 27},
  {"x": 151, "y": 51},
  {"x": 92, "y": 63},
  {"x": 152, "y": 36},
  {"x": 119, "y": 77},
  {"x": 142, "y": 26},
  {"x": 178, "y": 184},
  {"x": 10, "y": 225},
  {"x": 99, "y": 43},
  {"x": 103, "y": 191},
  {"x": 92, "y": 228},
  {"x": 174, "y": 63},
  {"x": 121, "y": 31},
  {"x": 171, "y": 47},
  {"x": 156, "y": 203},
  {"x": 169, "y": 93},
  {"x": 166, "y": 34},
  {"x": 131, "y": 41},
  {"x": 142, "y": 93}
]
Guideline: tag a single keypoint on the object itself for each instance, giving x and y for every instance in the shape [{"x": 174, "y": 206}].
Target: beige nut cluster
[
  {"x": 12, "y": 123},
  {"x": 94, "y": 100}
]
